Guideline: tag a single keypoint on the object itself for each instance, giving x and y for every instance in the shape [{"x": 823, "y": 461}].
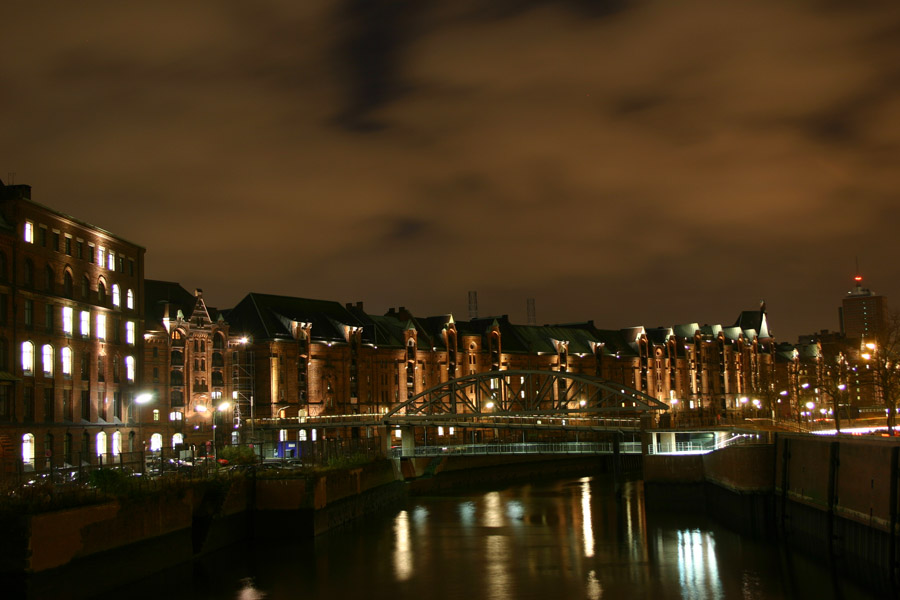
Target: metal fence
[{"x": 521, "y": 448}]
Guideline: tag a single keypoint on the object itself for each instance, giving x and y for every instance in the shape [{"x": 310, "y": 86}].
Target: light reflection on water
[{"x": 570, "y": 540}]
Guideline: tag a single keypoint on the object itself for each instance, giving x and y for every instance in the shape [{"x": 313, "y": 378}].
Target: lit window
[
  {"x": 101, "y": 254},
  {"x": 129, "y": 332},
  {"x": 66, "y": 356},
  {"x": 28, "y": 449},
  {"x": 176, "y": 415},
  {"x": 101, "y": 443},
  {"x": 440, "y": 431},
  {"x": 115, "y": 295},
  {"x": 156, "y": 414},
  {"x": 313, "y": 435},
  {"x": 101, "y": 327},
  {"x": 129, "y": 368},
  {"x": 111, "y": 261},
  {"x": 29, "y": 232},
  {"x": 177, "y": 439},
  {"x": 398, "y": 434},
  {"x": 28, "y": 358},
  {"x": 67, "y": 320},
  {"x": 282, "y": 435},
  {"x": 302, "y": 435},
  {"x": 47, "y": 359},
  {"x": 156, "y": 440},
  {"x": 117, "y": 443},
  {"x": 85, "y": 323},
  {"x": 129, "y": 299}
]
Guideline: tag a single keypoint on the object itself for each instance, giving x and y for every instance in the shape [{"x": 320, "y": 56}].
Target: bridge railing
[{"x": 522, "y": 448}]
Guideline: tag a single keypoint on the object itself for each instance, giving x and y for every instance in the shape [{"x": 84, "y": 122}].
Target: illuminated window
[
  {"x": 177, "y": 439},
  {"x": 101, "y": 327},
  {"x": 129, "y": 332},
  {"x": 129, "y": 368},
  {"x": 440, "y": 431},
  {"x": 111, "y": 261},
  {"x": 28, "y": 449},
  {"x": 27, "y": 358},
  {"x": 302, "y": 435},
  {"x": 101, "y": 254},
  {"x": 129, "y": 299},
  {"x": 117, "y": 443},
  {"x": 313, "y": 435},
  {"x": 101, "y": 443},
  {"x": 155, "y": 441},
  {"x": 66, "y": 359},
  {"x": 156, "y": 414},
  {"x": 398, "y": 434},
  {"x": 176, "y": 415},
  {"x": 282, "y": 435},
  {"x": 67, "y": 320},
  {"x": 85, "y": 323},
  {"x": 116, "y": 298},
  {"x": 29, "y": 232}
]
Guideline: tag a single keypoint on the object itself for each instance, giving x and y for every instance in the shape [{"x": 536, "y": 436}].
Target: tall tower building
[{"x": 862, "y": 313}]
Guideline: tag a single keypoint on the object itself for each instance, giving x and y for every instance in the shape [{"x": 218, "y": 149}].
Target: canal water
[{"x": 567, "y": 539}]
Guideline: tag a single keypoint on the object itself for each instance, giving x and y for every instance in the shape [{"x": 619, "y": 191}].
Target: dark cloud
[{"x": 630, "y": 162}]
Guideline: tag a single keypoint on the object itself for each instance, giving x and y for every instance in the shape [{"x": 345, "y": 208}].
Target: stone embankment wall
[
  {"x": 48, "y": 555},
  {"x": 836, "y": 498}
]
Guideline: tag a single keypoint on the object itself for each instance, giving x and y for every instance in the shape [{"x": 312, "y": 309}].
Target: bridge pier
[{"x": 407, "y": 441}]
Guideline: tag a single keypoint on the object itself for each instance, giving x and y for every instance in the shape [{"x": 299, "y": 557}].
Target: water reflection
[
  {"x": 403, "y": 556},
  {"x": 573, "y": 540},
  {"x": 587, "y": 526},
  {"x": 697, "y": 568}
]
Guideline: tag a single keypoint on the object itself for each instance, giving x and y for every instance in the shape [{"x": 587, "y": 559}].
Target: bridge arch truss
[{"x": 526, "y": 392}]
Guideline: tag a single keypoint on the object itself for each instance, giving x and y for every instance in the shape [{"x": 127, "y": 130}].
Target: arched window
[
  {"x": 129, "y": 299},
  {"x": 177, "y": 439},
  {"x": 302, "y": 435},
  {"x": 28, "y": 449},
  {"x": 217, "y": 379},
  {"x": 68, "y": 284},
  {"x": 219, "y": 341},
  {"x": 66, "y": 359},
  {"x": 117, "y": 443},
  {"x": 176, "y": 378},
  {"x": 129, "y": 369},
  {"x": 85, "y": 287},
  {"x": 47, "y": 359},
  {"x": 28, "y": 273},
  {"x": 178, "y": 338},
  {"x": 48, "y": 278},
  {"x": 116, "y": 297},
  {"x": 177, "y": 357},
  {"x": 155, "y": 442},
  {"x": 101, "y": 443},
  {"x": 28, "y": 358},
  {"x": 101, "y": 292}
]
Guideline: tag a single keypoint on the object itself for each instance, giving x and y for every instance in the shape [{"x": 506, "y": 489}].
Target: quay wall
[{"x": 837, "y": 499}]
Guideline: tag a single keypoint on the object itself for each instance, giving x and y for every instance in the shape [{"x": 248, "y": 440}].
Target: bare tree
[
  {"x": 834, "y": 379},
  {"x": 882, "y": 359}
]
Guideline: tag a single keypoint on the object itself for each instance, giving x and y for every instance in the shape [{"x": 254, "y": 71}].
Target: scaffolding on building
[{"x": 242, "y": 394}]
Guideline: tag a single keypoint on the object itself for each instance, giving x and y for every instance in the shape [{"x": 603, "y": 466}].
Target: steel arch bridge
[{"x": 525, "y": 392}]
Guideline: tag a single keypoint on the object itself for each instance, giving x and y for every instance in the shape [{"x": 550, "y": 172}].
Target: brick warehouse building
[
  {"x": 70, "y": 317},
  {"x": 82, "y": 334}
]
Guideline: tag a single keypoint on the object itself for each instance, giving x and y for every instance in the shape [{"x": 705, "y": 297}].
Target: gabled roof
[
  {"x": 269, "y": 317},
  {"x": 755, "y": 321},
  {"x": 160, "y": 294}
]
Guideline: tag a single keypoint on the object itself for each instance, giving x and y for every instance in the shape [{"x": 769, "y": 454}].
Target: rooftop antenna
[
  {"x": 473, "y": 305},
  {"x": 532, "y": 319}
]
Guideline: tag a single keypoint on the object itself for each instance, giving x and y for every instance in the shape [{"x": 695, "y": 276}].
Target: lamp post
[{"x": 142, "y": 399}]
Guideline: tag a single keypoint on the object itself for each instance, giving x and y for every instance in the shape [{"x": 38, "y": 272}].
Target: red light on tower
[{"x": 858, "y": 278}]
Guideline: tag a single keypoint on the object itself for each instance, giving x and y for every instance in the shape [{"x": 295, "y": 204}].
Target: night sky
[{"x": 631, "y": 162}]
